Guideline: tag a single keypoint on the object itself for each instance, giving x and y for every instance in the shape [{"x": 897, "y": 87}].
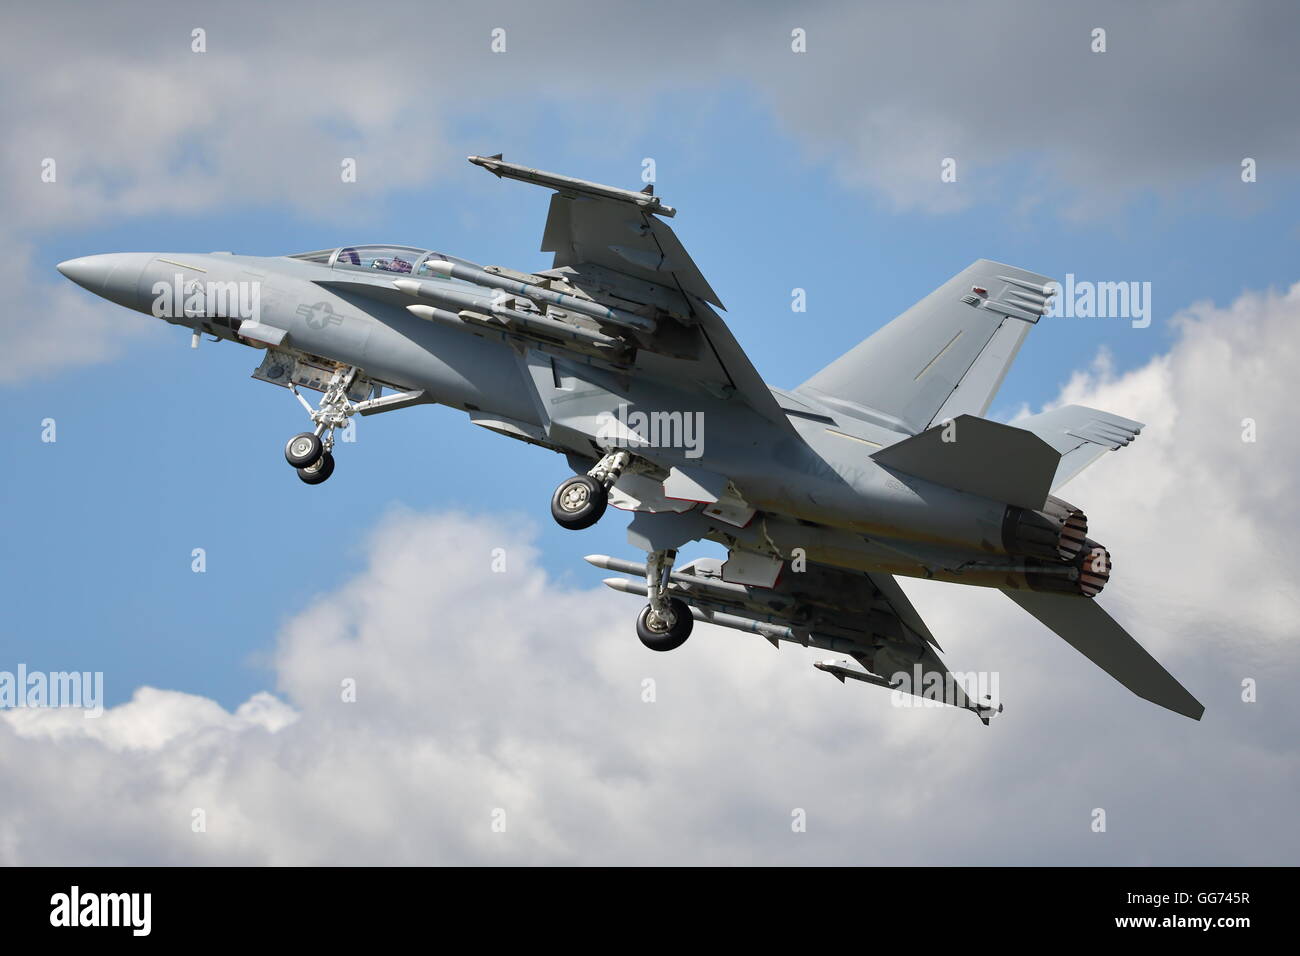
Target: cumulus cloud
[
  {"x": 1013, "y": 91},
  {"x": 480, "y": 691}
]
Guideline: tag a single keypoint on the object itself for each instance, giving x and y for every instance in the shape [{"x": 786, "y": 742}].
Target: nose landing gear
[
  {"x": 580, "y": 501},
  {"x": 311, "y": 453}
]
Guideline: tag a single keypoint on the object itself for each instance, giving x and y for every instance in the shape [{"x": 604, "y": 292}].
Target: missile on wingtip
[
  {"x": 842, "y": 669},
  {"x": 567, "y": 184}
]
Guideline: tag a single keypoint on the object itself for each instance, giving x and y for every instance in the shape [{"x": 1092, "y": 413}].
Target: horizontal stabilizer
[
  {"x": 1081, "y": 435},
  {"x": 1085, "y": 625},
  {"x": 980, "y": 457}
]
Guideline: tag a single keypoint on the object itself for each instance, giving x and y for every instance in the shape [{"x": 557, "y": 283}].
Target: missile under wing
[{"x": 866, "y": 616}]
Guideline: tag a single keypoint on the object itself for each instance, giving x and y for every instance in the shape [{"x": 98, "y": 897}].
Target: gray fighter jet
[{"x": 881, "y": 464}]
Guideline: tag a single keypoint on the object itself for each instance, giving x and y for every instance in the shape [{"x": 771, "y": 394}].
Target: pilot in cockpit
[{"x": 394, "y": 264}]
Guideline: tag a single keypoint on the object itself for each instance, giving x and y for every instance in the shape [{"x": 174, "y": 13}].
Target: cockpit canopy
[{"x": 404, "y": 260}]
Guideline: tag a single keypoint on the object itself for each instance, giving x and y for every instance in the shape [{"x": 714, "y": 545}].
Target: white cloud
[
  {"x": 152, "y": 720},
  {"x": 1012, "y": 90},
  {"x": 478, "y": 690}
]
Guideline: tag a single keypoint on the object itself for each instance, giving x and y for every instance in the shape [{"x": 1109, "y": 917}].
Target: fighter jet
[{"x": 882, "y": 464}]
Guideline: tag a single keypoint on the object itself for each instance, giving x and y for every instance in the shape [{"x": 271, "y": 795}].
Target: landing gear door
[{"x": 283, "y": 368}]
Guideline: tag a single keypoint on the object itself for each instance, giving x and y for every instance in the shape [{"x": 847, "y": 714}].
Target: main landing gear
[
  {"x": 580, "y": 501},
  {"x": 666, "y": 622},
  {"x": 311, "y": 453}
]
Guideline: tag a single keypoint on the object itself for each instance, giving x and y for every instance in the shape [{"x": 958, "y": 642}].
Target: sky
[{"x": 520, "y": 695}]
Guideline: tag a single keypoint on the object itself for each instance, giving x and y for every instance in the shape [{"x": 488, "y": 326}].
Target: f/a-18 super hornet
[{"x": 881, "y": 464}]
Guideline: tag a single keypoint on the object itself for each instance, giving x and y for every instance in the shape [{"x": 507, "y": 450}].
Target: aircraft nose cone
[
  {"x": 88, "y": 272},
  {"x": 115, "y": 276}
]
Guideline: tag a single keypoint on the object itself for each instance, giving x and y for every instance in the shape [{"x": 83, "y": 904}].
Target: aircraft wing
[
  {"x": 866, "y": 616},
  {"x": 612, "y": 246},
  {"x": 624, "y": 236}
]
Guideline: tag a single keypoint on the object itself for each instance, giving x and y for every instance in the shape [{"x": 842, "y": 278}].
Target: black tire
[
  {"x": 304, "y": 450},
  {"x": 320, "y": 471},
  {"x": 578, "y": 503},
  {"x": 666, "y": 640}
]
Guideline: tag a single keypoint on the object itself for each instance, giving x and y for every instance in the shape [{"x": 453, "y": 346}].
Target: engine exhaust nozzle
[
  {"x": 1057, "y": 533},
  {"x": 1086, "y": 574}
]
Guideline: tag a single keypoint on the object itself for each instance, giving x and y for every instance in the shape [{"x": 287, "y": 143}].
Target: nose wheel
[
  {"x": 317, "y": 471},
  {"x": 310, "y": 456},
  {"x": 304, "y": 450},
  {"x": 311, "y": 453}
]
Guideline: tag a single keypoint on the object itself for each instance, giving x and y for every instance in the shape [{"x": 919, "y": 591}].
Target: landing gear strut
[
  {"x": 311, "y": 453},
  {"x": 580, "y": 501},
  {"x": 666, "y": 622}
]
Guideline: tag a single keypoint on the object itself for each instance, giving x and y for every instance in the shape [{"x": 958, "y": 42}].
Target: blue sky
[
  {"x": 164, "y": 449},
  {"x": 817, "y": 171}
]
